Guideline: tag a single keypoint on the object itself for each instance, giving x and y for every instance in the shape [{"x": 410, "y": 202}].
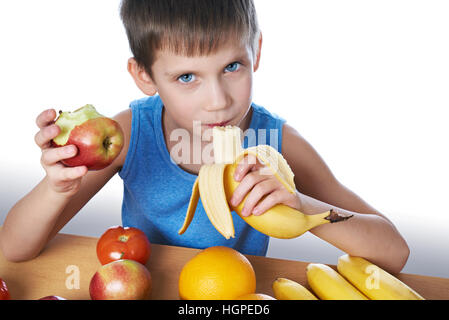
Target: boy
[{"x": 195, "y": 60}]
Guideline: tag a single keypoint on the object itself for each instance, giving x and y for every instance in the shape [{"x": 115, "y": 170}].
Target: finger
[
  {"x": 269, "y": 202},
  {"x": 45, "y": 118},
  {"x": 248, "y": 163},
  {"x": 278, "y": 196},
  {"x": 61, "y": 174},
  {"x": 247, "y": 183},
  {"x": 44, "y": 136},
  {"x": 257, "y": 193},
  {"x": 54, "y": 155},
  {"x": 73, "y": 173}
]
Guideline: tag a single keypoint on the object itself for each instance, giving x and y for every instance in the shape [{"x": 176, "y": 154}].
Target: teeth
[{"x": 216, "y": 185}]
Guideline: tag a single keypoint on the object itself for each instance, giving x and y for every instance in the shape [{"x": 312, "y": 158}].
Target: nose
[{"x": 217, "y": 96}]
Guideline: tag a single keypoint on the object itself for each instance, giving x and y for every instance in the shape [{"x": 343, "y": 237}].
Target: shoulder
[
  {"x": 124, "y": 118},
  {"x": 311, "y": 172},
  {"x": 292, "y": 141},
  {"x": 291, "y": 137}
]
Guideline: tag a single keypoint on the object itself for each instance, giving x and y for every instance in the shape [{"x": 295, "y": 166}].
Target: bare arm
[
  {"x": 368, "y": 234},
  {"x": 37, "y": 217},
  {"x": 363, "y": 235}
]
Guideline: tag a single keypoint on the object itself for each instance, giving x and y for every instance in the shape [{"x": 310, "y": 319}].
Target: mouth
[{"x": 220, "y": 124}]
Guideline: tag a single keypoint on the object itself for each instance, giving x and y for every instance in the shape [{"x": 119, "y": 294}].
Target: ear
[
  {"x": 259, "y": 50},
  {"x": 141, "y": 78}
]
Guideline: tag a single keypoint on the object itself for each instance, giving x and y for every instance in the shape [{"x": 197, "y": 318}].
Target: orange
[
  {"x": 217, "y": 273},
  {"x": 255, "y": 296}
]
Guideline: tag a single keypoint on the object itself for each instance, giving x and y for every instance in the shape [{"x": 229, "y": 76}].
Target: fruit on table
[
  {"x": 99, "y": 139},
  {"x": 255, "y": 296},
  {"x": 374, "y": 282},
  {"x": 328, "y": 284},
  {"x": 123, "y": 243},
  {"x": 121, "y": 280},
  {"x": 286, "y": 289},
  {"x": 215, "y": 185},
  {"x": 4, "y": 292},
  {"x": 217, "y": 273},
  {"x": 52, "y": 298}
]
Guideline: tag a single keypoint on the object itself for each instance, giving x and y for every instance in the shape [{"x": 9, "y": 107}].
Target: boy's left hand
[{"x": 257, "y": 179}]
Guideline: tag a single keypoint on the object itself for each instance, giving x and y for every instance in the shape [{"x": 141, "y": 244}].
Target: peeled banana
[
  {"x": 215, "y": 185},
  {"x": 374, "y": 282},
  {"x": 286, "y": 289},
  {"x": 328, "y": 284}
]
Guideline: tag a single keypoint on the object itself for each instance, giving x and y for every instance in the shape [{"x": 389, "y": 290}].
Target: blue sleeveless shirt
[{"x": 157, "y": 191}]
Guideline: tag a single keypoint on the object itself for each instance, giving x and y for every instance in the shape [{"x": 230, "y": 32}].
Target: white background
[{"x": 365, "y": 82}]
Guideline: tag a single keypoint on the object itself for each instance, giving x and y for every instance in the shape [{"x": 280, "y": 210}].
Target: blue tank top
[{"x": 157, "y": 191}]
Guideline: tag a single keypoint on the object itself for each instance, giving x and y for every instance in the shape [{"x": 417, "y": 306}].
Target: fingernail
[{"x": 256, "y": 211}]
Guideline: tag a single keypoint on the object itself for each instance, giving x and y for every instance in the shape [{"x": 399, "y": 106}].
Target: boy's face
[{"x": 213, "y": 89}]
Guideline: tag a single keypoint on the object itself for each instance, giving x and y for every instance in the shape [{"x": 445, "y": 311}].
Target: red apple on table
[
  {"x": 4, "y": 292},
  {"x": 52, "y": 298},
  {"x": 99, "y": 139},
  {"x": 121, "y": 280}
]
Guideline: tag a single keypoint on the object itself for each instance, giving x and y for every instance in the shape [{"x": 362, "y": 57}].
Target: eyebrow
[
  {"x": 176, "y": 73},
  {"x": 173, "y": 74}
]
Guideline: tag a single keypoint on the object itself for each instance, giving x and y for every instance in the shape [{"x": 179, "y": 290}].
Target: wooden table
[{"x": 69, "y": 258}]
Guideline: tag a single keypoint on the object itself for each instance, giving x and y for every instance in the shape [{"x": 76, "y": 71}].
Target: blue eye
[
  {"x": 186, "y": 78},
  {"x": 233, "y": 67}
]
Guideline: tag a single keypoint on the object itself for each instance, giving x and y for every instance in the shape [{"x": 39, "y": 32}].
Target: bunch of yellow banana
[
  {"x": 286, "y": 289},
  {"x": 374, "y": 282},
  {"x": 356, "y": 279},
  {"x": 215, "y": 185}
]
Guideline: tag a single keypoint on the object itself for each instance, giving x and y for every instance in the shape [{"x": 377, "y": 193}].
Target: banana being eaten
[{"x": 215, "y": 185}]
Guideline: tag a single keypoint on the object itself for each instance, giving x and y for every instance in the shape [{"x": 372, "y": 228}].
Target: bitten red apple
[
  {"x": 121, "y": 280},
  {"x": 99, "y": 139}
]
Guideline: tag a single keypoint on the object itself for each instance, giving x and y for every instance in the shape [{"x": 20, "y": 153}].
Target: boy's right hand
[{"x": 61, "y": 179}]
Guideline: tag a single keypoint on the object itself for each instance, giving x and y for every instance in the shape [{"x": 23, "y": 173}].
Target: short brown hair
[{"x": 188, "y": 27}]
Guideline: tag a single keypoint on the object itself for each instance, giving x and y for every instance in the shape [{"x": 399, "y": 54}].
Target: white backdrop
[{"x": 365, "y": 82}]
